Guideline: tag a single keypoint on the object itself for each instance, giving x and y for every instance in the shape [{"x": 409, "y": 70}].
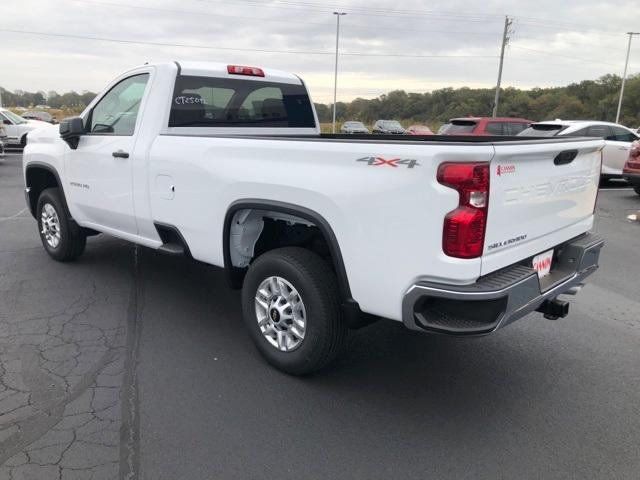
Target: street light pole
[
  {"x": 335, "y": 78},
  {"x": 624, "y": 75}
]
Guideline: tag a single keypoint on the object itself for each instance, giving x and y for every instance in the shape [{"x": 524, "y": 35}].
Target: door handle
[
  {"x": 623, "y": 148},
  {"x": 120, "y": 154}
]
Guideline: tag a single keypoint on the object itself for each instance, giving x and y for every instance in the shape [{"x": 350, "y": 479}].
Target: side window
[
  {"x": 515, "y": 128},
  {"x": 583, "y": 132},
  {"x": 116, "y": 113},
  {"x": 598, "y": 131},
  {"x": 494, "y": 128},
  {"x": 621, "y": 135}
]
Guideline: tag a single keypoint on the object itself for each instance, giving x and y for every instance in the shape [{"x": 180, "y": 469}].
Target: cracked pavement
[
  {"x": 129, "y": 364},
  {"x": 65, "y": 348}
]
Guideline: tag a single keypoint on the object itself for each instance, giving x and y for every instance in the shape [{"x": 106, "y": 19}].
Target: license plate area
[{"x": 542, "y": 262}]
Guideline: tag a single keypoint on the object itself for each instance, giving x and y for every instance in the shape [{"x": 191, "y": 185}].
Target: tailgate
[{"x": 541, "y": 195}]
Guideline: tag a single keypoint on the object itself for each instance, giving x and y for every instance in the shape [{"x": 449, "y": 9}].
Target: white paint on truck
[{"x": 187, "y": 165}]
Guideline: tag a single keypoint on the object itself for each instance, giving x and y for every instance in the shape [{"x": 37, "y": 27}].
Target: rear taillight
[
  {"x": 633, "y": 162},
  {"x": 242, "y": 70},
  {"x": 464, "y": 228}
]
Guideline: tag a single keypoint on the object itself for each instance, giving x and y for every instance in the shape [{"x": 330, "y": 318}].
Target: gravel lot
[{"x": 131, "y": 364}]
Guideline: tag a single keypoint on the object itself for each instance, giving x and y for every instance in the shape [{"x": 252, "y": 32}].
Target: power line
[
  {"x": 368, "y": 12},
  {"x": 550, "y": 25},
  {"x": 543, "y": 52},
  {"x": 370, "y": 8},
  {"x": 277, "y": 20},
  {"x": 207, "y": 47}
]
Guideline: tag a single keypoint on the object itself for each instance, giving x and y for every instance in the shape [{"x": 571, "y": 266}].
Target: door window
[
  {"x": 495, "y": 128},
  {"x": 621, "y": 135},
  {"x": 116, "y": 113}
]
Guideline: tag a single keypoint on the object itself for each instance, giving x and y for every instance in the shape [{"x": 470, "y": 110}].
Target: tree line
[
  {"x": 589, "y": 99},
  {"x": 66, "y": 101},
  {"x": 586, "y": 100}
]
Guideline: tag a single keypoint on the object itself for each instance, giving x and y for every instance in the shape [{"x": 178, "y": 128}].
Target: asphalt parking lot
[{"x": 132, "y": 364}]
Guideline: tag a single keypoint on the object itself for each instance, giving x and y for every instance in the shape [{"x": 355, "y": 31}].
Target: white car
[
  {"x": 617, "y": 139},
  {"x": 16, "y": 127},
  {"x": 226, "y": 164}
]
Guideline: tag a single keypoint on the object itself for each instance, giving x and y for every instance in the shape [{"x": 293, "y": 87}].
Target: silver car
[{"x": 353, "y": 127}]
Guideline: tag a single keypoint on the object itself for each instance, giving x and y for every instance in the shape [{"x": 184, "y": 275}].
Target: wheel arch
[
  {"x": 312, "y": 216},
  {"x": 38, "y": 177}
]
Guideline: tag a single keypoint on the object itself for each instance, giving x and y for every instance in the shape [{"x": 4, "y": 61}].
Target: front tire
[
  {"x": 61, "y": 237},
  {"x": 291, "y": 306}
]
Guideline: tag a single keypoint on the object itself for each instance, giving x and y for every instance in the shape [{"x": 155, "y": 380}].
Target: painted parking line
[{"x": 14, "y": 216}]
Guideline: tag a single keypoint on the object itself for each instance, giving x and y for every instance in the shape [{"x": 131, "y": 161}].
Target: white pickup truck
[{"x": 226, "y": 164}]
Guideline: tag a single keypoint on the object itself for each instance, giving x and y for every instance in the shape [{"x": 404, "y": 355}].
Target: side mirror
[
  {"x": 7, "y": 122},
  {"x": 71, "y": 129}
]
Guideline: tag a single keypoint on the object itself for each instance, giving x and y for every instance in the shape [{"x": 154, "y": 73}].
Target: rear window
[
  {"x": 224, "y": 102},
  {"x": 542, "y": 130},
  {"x": 457, "y": 126}
]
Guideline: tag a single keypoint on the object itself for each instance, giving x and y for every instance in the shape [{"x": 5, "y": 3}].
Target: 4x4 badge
[{"x": 392, "y": 162}]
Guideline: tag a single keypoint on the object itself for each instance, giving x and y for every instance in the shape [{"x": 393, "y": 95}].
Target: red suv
[
  {"x": 631, "y": 170},
  {"x": 484, "y": 126}
]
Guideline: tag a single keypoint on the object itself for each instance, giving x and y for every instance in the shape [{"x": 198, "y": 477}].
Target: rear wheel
[
  {"x": 636, "y": 188},
  {"x": 61, "y": 237},
  {"x": 291, "y": 307}
]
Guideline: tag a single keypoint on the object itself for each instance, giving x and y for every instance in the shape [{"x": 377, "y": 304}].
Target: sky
[{"x": 415, "y": 46}]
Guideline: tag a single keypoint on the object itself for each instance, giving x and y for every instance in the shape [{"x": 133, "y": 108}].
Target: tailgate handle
[{"x": 565, "y": 157}]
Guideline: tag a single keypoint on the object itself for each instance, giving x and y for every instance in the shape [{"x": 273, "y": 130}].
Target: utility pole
[
  {"x": 624, "y": 75},
  {"x": 335, "y": 78},
  {"x": 505, "y": 41}
]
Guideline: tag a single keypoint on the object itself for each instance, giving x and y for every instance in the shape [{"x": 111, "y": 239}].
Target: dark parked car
[
  {"x": 389, "y": 127},
  {"x": 353, "y": 127},
  {"x": 484, "y": 126},
  {"x": 39, "y": 115}
]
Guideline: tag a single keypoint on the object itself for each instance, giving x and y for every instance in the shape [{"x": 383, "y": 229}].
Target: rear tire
[
  {"x": 636, "y": 188},
  {"x": 61, "y": 237},
  {"x": 291, "y": 306}
]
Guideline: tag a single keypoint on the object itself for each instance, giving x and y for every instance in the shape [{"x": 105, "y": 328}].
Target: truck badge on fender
[{"x": 392, "y": 162}]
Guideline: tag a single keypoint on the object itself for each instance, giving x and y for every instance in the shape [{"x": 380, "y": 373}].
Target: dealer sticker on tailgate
[{"x": 542, "y": 263}]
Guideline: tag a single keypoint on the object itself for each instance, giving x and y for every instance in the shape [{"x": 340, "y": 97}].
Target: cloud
[{"x": 554, "y": 43}]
